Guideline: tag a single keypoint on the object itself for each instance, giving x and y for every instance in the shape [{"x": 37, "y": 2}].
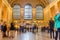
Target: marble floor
[{"x": 28, "y": 36}]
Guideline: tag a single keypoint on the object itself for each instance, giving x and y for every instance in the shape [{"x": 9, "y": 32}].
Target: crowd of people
[
  {"x": 5, "y": 28},
  {"x": 54, "y": 26},
  {"x": 10, "y": 28},
  {"x": 28, "y": 27}
]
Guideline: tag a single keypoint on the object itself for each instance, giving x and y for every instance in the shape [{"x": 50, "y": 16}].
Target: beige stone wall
[
  {"x": 50, "y": 10},
  {"x": 0, "y": 9},
  {"x": 5, "y": 11}
]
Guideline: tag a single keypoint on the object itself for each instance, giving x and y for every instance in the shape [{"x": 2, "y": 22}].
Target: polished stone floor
[{"x": 28, "y": 36}]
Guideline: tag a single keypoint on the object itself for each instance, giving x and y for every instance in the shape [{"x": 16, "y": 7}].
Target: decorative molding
[{"x": 44, "y": 3}]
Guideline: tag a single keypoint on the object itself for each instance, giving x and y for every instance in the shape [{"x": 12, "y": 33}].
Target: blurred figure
[
  {"x": 51, "y": 24},
  {"x": 21, "y": 28},
  {"x": 27, "y": 26},
  {"x": 57, "y": 25},
  {"x": 12, "y": 28},
  {"x": 34, "y": 28},
  {"x": 8, "y": 29},
  {"x": 4, "y": 29},
  {"x": 0, "y": 26}
]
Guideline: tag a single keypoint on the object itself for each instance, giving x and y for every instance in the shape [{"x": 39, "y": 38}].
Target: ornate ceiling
[{"x": 43, "y": 3}]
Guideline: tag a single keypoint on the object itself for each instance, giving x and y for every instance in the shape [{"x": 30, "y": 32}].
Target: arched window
[
  {"x": 28, "y": 12},
  {"x": 39, "y": 12},
  {"x": 16, "y": 12}
]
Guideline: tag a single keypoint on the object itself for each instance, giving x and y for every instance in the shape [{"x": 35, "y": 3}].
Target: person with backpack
[
  {"x": 51, "y": 25},
  {"x": 57, "y": 25}
]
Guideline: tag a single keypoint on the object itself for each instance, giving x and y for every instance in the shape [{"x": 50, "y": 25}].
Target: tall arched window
[
  {"x": 28, "y": 12},
  {"x": 16, "y": 12},
  {"x": 39, "y": 12}
]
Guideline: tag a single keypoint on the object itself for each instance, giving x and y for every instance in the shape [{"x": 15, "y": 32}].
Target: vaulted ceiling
[{"x": 43, "y": 3}]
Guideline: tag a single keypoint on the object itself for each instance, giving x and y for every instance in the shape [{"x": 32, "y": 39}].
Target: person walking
[
  {"x": 57, "y": 25},
  {"x": 51, "y": 24},
  {"x": 12, "y": 28},
  {"x": 4, "y": 29}
]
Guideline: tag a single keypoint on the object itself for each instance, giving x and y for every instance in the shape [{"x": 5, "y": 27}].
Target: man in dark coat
[
  {"x": 51, "y": 24},
  {"x": 12, "y": 28},
  {"x": 4, "y": 29}
]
